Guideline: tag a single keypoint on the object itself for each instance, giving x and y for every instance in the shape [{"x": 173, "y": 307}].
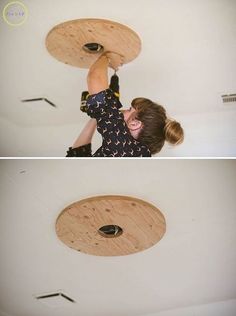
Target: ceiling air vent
[
  {"x": 57, "y": 299},
  {"x": 40, "y": 99},
  {"x": 227, "y": 98}
]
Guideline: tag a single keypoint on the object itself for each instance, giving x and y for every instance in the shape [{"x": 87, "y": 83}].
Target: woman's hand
[
  {"x": 115, "y": 60},
  {"x": 97, "y": 78}
]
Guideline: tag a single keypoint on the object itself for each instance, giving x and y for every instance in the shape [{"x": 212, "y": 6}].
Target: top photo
[{"x": 149, "y": 78}]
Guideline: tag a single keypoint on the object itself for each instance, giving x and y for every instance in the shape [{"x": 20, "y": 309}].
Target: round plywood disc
[
  {"x": 110, "y": 225},
  {"x": 66, "y": 41}
]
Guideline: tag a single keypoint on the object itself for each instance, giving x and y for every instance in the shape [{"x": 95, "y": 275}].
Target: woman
[{"x": 138, "y": 132}]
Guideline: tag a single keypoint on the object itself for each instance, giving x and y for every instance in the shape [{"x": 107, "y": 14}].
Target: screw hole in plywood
[{"x": 110, "y": 225}]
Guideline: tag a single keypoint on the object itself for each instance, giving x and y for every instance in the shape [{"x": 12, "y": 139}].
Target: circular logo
[{"x": 15, "y": 13}]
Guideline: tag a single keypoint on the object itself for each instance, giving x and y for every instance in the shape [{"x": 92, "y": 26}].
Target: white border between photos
[{"x": 118, "y": 158}]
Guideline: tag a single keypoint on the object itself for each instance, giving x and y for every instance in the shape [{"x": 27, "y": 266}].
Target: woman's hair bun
[{"x": 174, "y": 133}]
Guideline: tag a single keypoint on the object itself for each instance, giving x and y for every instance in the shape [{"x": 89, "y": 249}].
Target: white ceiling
[
  {"x": 187, "y": 62},
  {"x": 193, "y": 264}
]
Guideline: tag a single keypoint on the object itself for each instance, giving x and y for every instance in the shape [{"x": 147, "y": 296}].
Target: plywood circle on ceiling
[
  {"x": 65, "y": 41},
  {"x": 142, "y": 225}
]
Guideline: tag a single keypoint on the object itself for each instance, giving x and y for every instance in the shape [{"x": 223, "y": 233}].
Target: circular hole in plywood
[
  {"x": 93, "y": 221},
  {"x": 110, "y": 231},
  {"x": 93, "y": 48}
]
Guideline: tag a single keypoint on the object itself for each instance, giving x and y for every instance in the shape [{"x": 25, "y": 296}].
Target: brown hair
[{"x": 156, "y": 126}]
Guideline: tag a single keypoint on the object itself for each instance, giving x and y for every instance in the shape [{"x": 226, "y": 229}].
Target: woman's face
[{"x": 129, "y": 114}]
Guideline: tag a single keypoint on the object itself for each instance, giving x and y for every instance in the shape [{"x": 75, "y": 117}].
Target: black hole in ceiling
[
  {"x": 93, "y": 47},
  {"x": 110, "y": 231}
]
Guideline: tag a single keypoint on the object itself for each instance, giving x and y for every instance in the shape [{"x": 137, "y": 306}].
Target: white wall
[
  {"x": 225, "y": 308},
  {"x": 206, "y": 134},
  {"x": 4, "y": 314},
  {"x": 16, "y": 141}
]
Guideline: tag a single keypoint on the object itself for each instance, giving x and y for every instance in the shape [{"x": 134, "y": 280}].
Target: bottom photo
[{"x": 117, "y": 237}]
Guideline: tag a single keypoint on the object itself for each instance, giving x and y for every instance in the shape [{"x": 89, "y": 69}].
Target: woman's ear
[{"x": 135, "y": 124}]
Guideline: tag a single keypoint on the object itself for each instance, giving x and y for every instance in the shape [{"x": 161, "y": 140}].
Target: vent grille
[
  {"x": 40, "y": 99},
  {"x": 229, "y": 98},
  {"x": 56, "y": 299}
]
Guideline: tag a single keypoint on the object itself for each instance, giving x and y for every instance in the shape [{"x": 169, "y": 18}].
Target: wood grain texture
[
  {"x": 65, "y": 41},
  {"x": 142, "y": 223}
]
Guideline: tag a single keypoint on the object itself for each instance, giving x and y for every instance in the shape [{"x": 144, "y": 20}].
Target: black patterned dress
[{"x": 116, "y": 138}]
